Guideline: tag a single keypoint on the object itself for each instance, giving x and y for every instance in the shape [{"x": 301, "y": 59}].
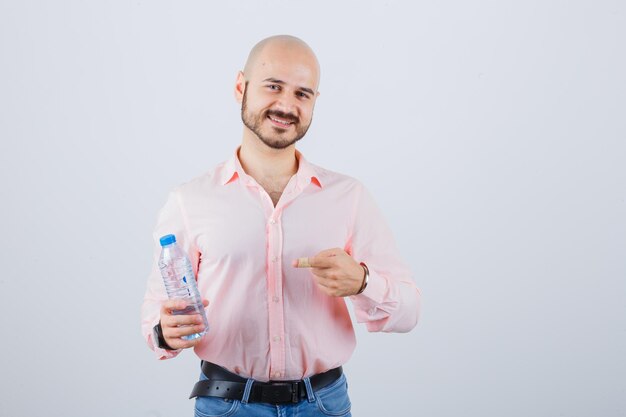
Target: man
[{"x": 277, "y": 243}]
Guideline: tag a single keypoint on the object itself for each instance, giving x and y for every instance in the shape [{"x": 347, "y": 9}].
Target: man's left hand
[{"x": 335, "y": 272}]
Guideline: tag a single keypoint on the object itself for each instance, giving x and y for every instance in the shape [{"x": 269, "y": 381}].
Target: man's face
[{"x": 279, "y": 97}]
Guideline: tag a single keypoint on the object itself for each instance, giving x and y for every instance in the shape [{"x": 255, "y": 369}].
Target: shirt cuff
[
  {"x": 160, "y": 353},
  {"x": 374, "y": 293}
]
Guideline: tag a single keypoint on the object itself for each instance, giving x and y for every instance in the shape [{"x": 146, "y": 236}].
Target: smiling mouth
[{"x": 277, "y": 121}]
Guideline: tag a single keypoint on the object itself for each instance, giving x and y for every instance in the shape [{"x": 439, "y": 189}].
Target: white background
[{"x": 492, "y": 135}]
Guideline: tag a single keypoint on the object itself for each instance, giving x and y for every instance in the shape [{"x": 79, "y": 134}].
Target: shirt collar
[{"x": 232, "y": 170}]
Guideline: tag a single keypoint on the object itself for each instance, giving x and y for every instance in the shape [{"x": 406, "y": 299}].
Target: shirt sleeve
[
  {"x": 391, "y": 301},
  {"x": 171, "y": 220}
]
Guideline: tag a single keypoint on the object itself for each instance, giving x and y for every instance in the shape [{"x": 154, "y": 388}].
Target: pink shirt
[{"x": 268, "y": 319}]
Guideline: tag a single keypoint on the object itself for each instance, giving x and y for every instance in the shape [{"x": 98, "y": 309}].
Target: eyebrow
[{"x": 274, "y": 80}]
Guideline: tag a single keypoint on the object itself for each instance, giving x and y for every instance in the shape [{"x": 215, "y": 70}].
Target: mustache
[{"x": 285, "y": 116}]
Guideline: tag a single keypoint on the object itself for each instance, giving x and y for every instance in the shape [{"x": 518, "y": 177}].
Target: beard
[{"x": 280, "y": 139}]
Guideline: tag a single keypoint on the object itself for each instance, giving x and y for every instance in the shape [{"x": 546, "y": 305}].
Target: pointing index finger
[
  {"x": 312, "y": 262},
  {"x": 301, "y": 263}
]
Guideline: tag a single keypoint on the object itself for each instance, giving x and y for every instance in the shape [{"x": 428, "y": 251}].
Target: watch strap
[{"x": 159, "y": 339}]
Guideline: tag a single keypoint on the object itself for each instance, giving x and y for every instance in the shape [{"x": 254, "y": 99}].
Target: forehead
[{"x": 293, "y": 66}]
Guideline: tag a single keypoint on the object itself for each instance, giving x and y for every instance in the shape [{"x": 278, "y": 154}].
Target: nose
[{"x": 287, "y": 104}]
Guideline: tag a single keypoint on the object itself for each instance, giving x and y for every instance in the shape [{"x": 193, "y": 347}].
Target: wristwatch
[{"x": 157, "y": 336}]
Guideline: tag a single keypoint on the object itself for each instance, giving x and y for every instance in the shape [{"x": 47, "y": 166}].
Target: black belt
[{"x": 225, "y": 384}]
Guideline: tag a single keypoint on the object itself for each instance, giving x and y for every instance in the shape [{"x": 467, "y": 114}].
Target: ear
[{"x": 240, "y": 86}]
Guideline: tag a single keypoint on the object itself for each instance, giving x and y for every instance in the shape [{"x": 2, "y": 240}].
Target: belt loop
[
  {"x": 309, "y": 390},
  {"x": 246, "y": 391}
]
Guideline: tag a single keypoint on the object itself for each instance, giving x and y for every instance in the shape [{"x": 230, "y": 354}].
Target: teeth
[{"x": 280, "y": 121}]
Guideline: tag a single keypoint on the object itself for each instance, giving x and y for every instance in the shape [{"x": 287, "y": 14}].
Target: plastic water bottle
[{"x": 180, "y": 282}]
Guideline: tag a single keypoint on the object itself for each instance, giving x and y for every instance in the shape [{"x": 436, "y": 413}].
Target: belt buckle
[
  {"x": 281, "y": 392},
  {"x": 295, "y": 392}
]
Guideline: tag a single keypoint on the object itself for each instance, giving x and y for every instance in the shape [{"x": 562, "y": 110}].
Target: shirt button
[
  {"x": 276, "y": 374},
  {"x": 272, "y": 221},
  {"x": 276, "y": 338},
  {"x": 275, "y": 259},
  {"x": 275, "y": 299}
]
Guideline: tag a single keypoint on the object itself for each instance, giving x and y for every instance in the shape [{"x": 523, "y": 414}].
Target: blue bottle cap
[{"x": 167, "y": 240}]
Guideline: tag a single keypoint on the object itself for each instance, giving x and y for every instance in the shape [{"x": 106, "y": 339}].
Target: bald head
[
  {"x": 279, "y": 48},
  {"x": 277, "y": 91}
]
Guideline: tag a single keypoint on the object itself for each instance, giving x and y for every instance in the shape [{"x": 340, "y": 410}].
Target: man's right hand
[{"x": 176, "y": 326}]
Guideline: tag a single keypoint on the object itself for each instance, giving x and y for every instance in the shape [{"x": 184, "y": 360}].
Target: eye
[
  {"x": 302, "y": 94},
  {"x": 274, "y": 87}
]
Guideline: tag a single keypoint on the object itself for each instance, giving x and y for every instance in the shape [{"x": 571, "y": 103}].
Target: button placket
[
  {"x": 276, "y": 316},
  {"x": 274, "y": 273}
]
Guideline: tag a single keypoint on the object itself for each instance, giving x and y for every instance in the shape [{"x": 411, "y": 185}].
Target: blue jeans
[{"x": 332, "y": 400}]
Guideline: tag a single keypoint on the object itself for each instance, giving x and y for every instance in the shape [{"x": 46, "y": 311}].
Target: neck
[{"x": 262, "y": 162}]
